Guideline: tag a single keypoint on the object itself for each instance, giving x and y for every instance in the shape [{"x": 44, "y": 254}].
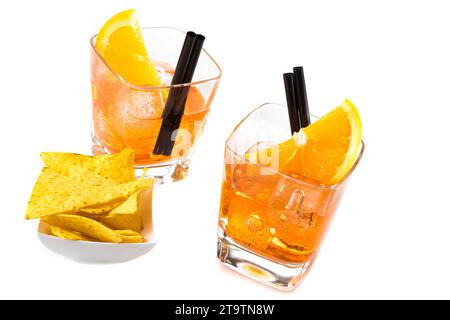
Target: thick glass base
[
  {"x": 163, "y": 172},
  {"x": 271, "y": 273}
]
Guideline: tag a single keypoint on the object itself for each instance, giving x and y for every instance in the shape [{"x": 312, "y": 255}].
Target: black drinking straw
[
  {"x": 176, "y": 100},
  {"x": 301, "y": 98},
  {"x": 180, "y": 71},
  {"x": 291, "y": 103}
]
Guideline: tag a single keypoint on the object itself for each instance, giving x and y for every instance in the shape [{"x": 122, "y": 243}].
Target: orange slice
[
  {"x": 323, "y": 153},
  {"x": 121, "y": 45},
  {"x": 328, "y": 148}
]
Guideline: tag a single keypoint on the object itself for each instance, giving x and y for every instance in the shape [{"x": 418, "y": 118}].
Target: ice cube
[
  {"x": 141, "y": 105},
  {"x": 295, "y": 203},
  {"x": 164, "y": 75},
  {"x": 246, "y": 179},
  {"x": 135, "y": 116}
]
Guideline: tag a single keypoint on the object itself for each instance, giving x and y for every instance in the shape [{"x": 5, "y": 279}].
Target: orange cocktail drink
[
  {"x": 132, "y": 70},
  {"x": 279, "y": 194},
  {"x": 128, "y": 116},
  {"x": 276, "y": 216}
]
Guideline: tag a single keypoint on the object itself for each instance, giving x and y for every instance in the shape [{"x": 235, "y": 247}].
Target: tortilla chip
[
  {"x": 88, "y": 215},
  {"x": 129, "y": 206},
  {"x": 127, "y": 232},
  {"x": 85, "y": 226},
  {"x": 133, "y": 239},
  {"x": 52, "y": 193},
  {"x": 101, "y": 209},
  {"x": 125, "y": 216},
  {"x": 130, "y": 236},
  {"x": 55, "y": 193},
  {"x": 122, "y": 221},
  {"x": 118, "y": 167},
  {"x": 66, "y": 234}
]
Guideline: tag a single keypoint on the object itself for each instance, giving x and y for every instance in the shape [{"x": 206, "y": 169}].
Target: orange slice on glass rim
[
  {"x": 322, "y": 153},
  {"x": 121, "y": 45},
  {"x": 328, "y": 148}
]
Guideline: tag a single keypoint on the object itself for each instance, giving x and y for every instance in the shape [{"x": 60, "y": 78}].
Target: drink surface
[
  {"x": 126, "y": 116},
  {"x": 273, "y": 215}
]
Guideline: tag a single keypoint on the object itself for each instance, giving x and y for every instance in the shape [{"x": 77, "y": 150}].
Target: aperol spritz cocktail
[
  {"x": 128, "y": 115},
  {"x": 272, "y": 218}
]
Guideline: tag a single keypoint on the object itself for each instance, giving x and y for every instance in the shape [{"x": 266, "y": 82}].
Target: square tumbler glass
[
  {"x": 271, "y": 225},
  {"x": 125, "y": 115}
]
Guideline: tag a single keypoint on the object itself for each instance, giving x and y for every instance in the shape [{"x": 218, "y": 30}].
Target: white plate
[{"x": 101, "y": 252}]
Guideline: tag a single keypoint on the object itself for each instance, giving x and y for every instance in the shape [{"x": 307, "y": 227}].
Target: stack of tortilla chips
[{"x": 91, "y": 198}]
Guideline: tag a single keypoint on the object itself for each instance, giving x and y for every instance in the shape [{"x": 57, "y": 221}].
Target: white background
[{"x": 391, "y": 235}]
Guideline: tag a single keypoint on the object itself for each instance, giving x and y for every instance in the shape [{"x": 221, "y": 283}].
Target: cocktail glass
[
  {"x": 271, "y": 225},
  {"x": 126, "y": 115}
]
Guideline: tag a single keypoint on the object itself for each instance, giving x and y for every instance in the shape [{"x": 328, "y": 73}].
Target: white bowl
[{"x": 102, "y": 252}]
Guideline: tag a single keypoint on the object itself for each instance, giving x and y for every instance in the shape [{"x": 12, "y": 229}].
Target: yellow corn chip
[
  {"x": 88, "y": 215},
  {"x": 122, "y": 221},
  {"x": 133, "y": 239},
  {"x": 127, "y": 232},
  {"x": 130, "y": 236},
  {"x": 125, "y": 216},
  {"x": 101, "y": 209},
  {"x": 55, "y": 193},
  {"x": 65, "y": 234},
  {"x": 117, "y": 167},
  {"x": 130, "y": 206},
  {"x": 52, "y": 193},
  {"x": 85, "y": 226}
]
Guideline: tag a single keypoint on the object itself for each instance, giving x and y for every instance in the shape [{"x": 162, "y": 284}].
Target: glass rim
[
  {"x": 276, "y": 172},
  {"x": 137, "y": 87}
]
